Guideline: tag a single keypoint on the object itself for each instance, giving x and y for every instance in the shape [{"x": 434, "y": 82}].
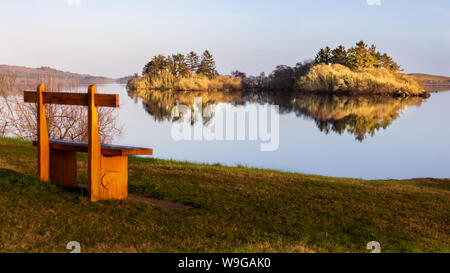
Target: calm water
[{"x": 334, "y": 136}]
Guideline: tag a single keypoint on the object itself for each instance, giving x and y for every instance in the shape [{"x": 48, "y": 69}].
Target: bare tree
[{"x": 18, "y": 119}]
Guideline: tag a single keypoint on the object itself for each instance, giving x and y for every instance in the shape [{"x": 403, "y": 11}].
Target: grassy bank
[
  {"x": 340, "y": 79},
  {"x": 192, "y": 82},
  {"x": 234, "y": 209}
]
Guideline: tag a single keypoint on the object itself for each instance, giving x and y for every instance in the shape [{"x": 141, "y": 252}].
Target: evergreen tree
[
  {"x": 192, "y": 61},
  {"x": 156, "y": 65},
  {"x": 361, "y": 56},
  {"x": 357, "y": 57},
  {"x": 339, "y": 56},
  {"x": 179, "y": 65},
  {"x": 323, "y": 56},
  {"x": 387, "y": 62},
  {"x": 208, "y": 65},
  {"x": 171, "y": 65}
]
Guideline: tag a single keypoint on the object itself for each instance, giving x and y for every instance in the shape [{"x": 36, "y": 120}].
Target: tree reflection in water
[{"x": 358, "y": 115}]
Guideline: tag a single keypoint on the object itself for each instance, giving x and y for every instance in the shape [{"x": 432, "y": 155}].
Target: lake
[{"x": 371, "y": 138}]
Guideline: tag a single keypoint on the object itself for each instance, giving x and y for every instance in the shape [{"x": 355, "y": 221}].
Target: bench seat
[
  {"x": 107, "y": 165},
  {"x": 107, "y": 149}
]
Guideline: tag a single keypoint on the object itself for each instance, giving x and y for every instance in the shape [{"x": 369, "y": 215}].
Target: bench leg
[
  {"x": 63, "y": 168},
  {"x": 112, "y": 182}
]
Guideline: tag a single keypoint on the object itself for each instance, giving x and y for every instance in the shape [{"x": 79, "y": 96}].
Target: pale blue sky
[{"x": 116, "y": 37}]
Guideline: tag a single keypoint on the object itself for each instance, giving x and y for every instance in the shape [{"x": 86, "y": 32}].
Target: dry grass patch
[{"x": 338, "y": 78}]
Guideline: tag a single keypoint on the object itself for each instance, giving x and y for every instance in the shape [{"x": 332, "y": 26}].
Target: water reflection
[
  {"x": 159, "y": 104},
  {"x": 360, "y": 116}
]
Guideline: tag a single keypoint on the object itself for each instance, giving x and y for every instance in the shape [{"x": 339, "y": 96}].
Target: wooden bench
[{"x": 57, "y": 159}]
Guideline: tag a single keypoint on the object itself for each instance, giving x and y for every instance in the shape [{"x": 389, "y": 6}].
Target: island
[{"x": 359, "y": 70}]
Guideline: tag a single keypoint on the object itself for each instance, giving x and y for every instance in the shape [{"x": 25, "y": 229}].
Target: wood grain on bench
[
  {"x": 64, "y": 98},
  {"x": 107, "y": 149},
  {"x": 57, "y": 159}
]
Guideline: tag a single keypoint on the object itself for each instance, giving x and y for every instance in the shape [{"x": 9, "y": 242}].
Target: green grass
[{"x": 234, "y": 210}]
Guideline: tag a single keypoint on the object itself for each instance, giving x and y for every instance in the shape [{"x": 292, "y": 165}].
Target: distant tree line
[
  {"x": 182, "y": 65},
  {"x": 357, "y": 57}
]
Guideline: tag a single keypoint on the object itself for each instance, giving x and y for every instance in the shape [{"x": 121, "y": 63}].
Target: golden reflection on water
[{"x": 358, "y": 115}]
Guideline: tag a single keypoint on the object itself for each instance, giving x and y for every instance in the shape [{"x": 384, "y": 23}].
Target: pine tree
[
  {"x": 339, "y": 56},
  {"x": 156, "y": 65},
  {"x": 192, "y": 61},
  {"x": 180, "y": 67},
  {"x": 323, "y": 56},
  {"x": 387, "y": 62},
  {"x": 358, "y": 57},
  {"x": 361, "y": 56},
  {"x": 208, "y": 65}
]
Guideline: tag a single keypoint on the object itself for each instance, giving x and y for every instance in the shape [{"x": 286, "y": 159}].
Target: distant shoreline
[
  {"x": 438, "y": 88},
  {"x": 27, "y": 76}
]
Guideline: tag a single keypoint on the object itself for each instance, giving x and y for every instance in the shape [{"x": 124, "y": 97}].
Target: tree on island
[
  {"x": 339, "y": 56},
  {"x": 178, "y": 65},
  {"x": 282, "y": 78},
  {"x": 208, "y": 65},
  {"x": 323, "y": 56},
  {"x": 387, "y": 62},
  {"x": 181, "y": 65},
  {"x": 179, "y": 72},
  {"x": 193, "y": 61},
  {"x": 239, "y": 74},
  {"x": 156, "y": 65},
  {"x": 361, "y": 56},
  {"x": 358, "y": 57}
]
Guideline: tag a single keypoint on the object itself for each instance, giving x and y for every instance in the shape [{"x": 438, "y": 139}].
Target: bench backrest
[{"x": 91, "y": 99}]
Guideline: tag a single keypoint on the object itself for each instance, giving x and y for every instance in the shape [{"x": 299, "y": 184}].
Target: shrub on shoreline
[
  {"x": 181, "y": 72},
  {"x": 337, "y": 78},
  {"x": 191, "y": 82}
]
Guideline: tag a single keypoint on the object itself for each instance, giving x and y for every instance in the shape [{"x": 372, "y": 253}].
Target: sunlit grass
[
  {"x": 338, "y": 78},
  {"x": 193, "y": 82}
]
